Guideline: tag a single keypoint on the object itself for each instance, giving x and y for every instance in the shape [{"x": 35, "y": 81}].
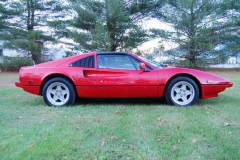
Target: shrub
[{"x": 14, "y": 63}]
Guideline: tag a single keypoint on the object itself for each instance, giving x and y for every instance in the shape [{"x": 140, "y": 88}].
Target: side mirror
[{"x": 142, "y": 66}]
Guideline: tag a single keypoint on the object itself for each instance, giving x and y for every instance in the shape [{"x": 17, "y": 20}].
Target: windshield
[{"x": 154, "y": 64}]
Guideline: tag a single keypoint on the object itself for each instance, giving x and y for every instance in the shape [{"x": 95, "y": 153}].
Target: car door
[
  {"x": 83, "y": 73},
  {"x": 118, "y": 76}
]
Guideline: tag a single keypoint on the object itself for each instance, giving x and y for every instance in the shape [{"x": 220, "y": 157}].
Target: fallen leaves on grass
[
  {"x": 31, "y": 145},
  {"x": 114, "y": 137},
  {"x": 19, "y": 117},
  {"x": 194, "y": 140},
  {"x": 117, "y": 112},
  {"x": 227, "y": 124},
  {"x": 132, "y": 147},
  {"x": 178, "y": 127},
  {"x": 160, "y": 124},
  {"x": 98, "y": 120},
  {"x": 208, "y": 145},
  {"x": 160, "y": 139},
  {"x": 179, "y": 141},
  {"x": 102, "y": 143}
]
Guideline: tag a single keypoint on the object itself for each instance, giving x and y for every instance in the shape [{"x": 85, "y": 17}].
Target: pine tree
[
  {"x": 27, "y": 30},
  {"x": 233, "y": 40},
  {"x": 5, "y": 13},
  {"x": 110, "y": 24},
  {"x": 199, "y": 25},
  {"x": 3, "y": 16}
]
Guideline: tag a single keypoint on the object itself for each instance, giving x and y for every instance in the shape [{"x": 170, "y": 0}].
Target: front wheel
[
  {"x": 182, "y": 91},
  {"x": 58, "y": 92}
]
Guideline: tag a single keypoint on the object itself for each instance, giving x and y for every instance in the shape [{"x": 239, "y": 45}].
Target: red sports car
[{"x": 117, "y": 74}]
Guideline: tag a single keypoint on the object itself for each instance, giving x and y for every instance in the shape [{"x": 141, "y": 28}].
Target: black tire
[
  {"x": 176, "y": 94},
  {"x": 59, "y": 92}
]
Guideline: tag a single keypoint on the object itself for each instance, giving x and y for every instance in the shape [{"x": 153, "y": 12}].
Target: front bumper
[{"x": 230, "y": 84}]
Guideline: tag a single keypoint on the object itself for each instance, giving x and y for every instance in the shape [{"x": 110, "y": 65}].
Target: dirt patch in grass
[
  {"x": 9, "y": 83},
  {"x": 8, "y": 79},
  {"x": 8, "y": 74}
]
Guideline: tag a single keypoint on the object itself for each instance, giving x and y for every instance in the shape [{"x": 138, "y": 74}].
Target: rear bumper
[
  {"x": 18, "y": 84},
  {"x": 31, "y": 88}
]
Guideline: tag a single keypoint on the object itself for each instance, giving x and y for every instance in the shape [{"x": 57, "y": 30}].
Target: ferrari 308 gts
[{"x": 117, "y": 74}]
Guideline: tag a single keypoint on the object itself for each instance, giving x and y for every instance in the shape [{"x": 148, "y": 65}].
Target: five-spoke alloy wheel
[
  {"x": 182, "y": 91},
  {"x": 58, "y": 92}
]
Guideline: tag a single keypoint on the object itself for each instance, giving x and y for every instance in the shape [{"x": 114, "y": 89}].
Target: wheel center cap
[
  {"x": 59, "y": 93},
  {"x": 182, "y": 93}
]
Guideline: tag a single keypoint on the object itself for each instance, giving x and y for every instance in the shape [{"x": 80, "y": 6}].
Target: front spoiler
[{"x": 230, "y": 84}]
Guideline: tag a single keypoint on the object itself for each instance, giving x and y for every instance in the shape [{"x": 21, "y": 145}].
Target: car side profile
[{"x": 117, "y": 74}]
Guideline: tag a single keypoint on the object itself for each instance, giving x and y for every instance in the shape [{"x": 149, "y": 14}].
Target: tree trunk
[
  {"x": 192, "y": 59},
  {"x": 36, "y": 47},
  {"x": 36, "y": 58},
  {"x": 112, "y": 36},
  {"x": 36, "y": 52},
  {"x": 113, "y": 47},
  {"x": 192, "y": 53}
]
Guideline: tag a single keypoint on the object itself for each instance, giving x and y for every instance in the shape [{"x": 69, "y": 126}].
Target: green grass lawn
[{"x": 118, "y": 130}]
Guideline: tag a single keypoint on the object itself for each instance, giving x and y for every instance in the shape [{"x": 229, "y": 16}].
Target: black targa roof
[{"x": 112, "y": 52}]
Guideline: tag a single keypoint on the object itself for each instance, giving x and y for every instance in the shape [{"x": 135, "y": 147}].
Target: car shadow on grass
[{"x": 143, "y": 101}]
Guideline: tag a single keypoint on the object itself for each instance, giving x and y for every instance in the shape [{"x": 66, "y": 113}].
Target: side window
[
  {"x": 137, "y": 64},
  {"x": 115, "y": 62},
  {"x": 84, "y": 62}
]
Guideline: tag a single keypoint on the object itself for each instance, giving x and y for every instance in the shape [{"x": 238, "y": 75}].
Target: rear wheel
[
  {"x": 182, "y": 91},
  {"x": 58, "y": 92}
]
